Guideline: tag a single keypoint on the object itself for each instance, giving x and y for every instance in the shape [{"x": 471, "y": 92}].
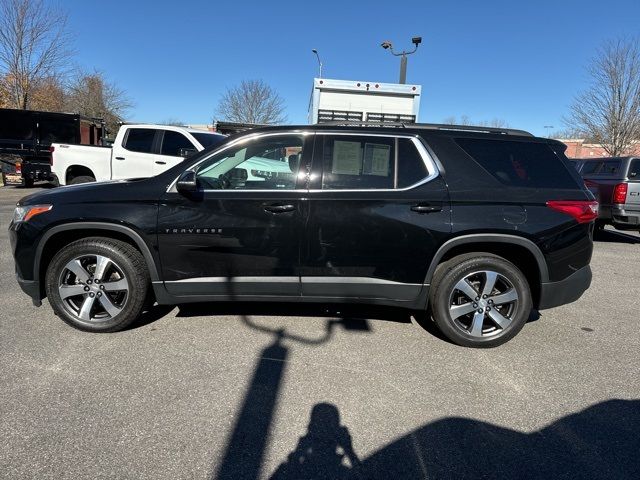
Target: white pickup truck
[{"x": 138, "y": 151}]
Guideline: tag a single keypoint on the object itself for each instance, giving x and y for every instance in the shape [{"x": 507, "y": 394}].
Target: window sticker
[
  {"x": 376, "y": 159},
  {"x": 347, "y": 158}
]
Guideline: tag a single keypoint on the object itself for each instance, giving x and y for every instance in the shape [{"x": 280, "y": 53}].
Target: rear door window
[
  {"x": 140, "y": 140},
  {"x": 519, "y": 164},
  {"x": 358, "y": 162},
  {"x": 411, "y": 167},
  {"x": 173, "y": 142}
]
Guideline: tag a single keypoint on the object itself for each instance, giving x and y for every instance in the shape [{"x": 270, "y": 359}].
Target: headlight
[{"x": 23, "y": 213}]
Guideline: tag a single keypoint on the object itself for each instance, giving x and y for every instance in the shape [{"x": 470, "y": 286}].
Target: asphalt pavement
[{"x": 250, "y": 391}]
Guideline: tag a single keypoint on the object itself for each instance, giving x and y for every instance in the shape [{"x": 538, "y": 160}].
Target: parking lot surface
[{"x": 283, "y": 391}]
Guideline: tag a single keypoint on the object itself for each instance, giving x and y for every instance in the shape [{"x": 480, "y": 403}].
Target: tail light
[
  {"x": 620, "y": 193},
  {"x": 18, "y": 168},
  {"x": 584, "y": 211}
]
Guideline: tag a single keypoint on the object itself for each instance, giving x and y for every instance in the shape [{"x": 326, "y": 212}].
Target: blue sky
[{"x": 518, "y": 61}]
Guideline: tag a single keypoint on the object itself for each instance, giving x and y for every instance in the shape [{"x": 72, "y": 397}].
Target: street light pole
[
  {"x": 403, "y": 56},
  {"x": 319, "y": 62}
]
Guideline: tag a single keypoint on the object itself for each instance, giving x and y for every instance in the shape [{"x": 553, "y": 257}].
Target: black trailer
[{"x": 26, "y": 137}]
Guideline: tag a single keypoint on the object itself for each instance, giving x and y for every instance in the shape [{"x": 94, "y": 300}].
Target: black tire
[
  {"x": 27, "y": 183},
  {"x": 82, "y": 179},
  {"x": 111, "y": 309},
  {"x": 473, "y": 268}
]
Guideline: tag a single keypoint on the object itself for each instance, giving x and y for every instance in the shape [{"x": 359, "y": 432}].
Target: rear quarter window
[{"x": 519, "y": 164}]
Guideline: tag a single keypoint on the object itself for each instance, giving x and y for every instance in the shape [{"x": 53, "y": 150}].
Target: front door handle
[
  {"x": 426, "y": 208},
  {"x": 160, "y": 162},
  {"x": 279, "y": 208},
  {"x": 119, "y": 158}
]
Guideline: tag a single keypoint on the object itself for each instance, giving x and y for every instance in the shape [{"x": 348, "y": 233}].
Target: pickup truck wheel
[
  {"x": 480, "y": 300},
  {"x": 82, "y": 179},
  {"x": 27, "y": 183},
  {"x": 97, "y": 284}
]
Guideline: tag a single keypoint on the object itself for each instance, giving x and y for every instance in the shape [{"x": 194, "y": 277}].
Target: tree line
[{"x": 35, "y": 52}]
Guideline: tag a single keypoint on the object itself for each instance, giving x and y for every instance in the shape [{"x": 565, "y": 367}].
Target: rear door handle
[
  {"x": 119, "y": 158},
  {"x": 279, "y": 208},
  {"x": 424, "y": 208},
  {"x": 160, "y": 162}
]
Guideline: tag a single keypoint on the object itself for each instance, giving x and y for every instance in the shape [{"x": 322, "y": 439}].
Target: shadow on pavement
[
  {"x": 615, "y": 236},
  {"x": 601, "y": 442}
]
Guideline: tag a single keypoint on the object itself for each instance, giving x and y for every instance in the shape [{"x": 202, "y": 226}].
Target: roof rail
[{"x": 432, "y": 126}]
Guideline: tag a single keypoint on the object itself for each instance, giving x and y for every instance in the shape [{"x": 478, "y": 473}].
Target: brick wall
[{"x": 577, "y": 148}]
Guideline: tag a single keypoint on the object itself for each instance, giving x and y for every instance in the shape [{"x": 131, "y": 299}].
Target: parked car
[
  {"x": 26, "y": 137},
  {"x": 615, "y": 182},
  {"x": 475, "y": 225},
  {"x": 138, "y": 151}
]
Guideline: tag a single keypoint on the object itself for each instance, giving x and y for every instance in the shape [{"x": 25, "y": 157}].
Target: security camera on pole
[{"x": 403, "y": 56}]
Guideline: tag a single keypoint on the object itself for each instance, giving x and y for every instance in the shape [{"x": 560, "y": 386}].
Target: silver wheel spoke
[
  {"x": 467, "y": 289},
  {"x": 78, "y": 270},
  {"x": 101, "y": 266},
  {"x": 490, "y": 282},
  {"x": 476, "y": 325},
  {"x": 505, "y": 297},
  {"x": 85, "y": 310},
  {"x": 109, "y": 306},
  {"x": 121, "y": 284},
  {"x": 459, "y": 310},
  {"x": 67, "y": 291},
  {"x": 500, "y": 320}
]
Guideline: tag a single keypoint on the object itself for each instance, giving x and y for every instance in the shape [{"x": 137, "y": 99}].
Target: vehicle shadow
[
  {"x": 615, "y": 236},
  {"x": 345, "y": 312},
  {"x": 599, "y": 442}
]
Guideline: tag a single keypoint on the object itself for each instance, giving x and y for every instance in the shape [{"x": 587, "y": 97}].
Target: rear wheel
[
  {"x": 480, "y": 300},
  {"x": 82, "y": 179},
  {"x": 97, "y": 284}
]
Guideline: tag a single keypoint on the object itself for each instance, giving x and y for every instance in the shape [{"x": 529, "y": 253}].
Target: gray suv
[{"x": 615, "y": 181}]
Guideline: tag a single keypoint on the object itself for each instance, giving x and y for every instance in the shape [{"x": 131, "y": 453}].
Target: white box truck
[{"x": 353, "y": 101}]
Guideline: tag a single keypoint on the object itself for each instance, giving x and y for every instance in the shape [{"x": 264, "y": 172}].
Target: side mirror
[
  {"x": 187, "y": 182},
  {"x": 185, "y": 152}
]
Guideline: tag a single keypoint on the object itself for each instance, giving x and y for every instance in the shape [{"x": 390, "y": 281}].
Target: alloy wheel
[
  {"x": 483, "y": 303},
  {"x": 93, "y": 288}
]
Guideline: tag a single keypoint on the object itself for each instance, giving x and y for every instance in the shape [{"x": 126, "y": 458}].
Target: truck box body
[
  {"x": 353, "y": 101},
  {"x": 28, "y": 134}
]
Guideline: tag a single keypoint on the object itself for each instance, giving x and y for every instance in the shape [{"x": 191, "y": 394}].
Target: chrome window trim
[{"x": 428, "y": 160}]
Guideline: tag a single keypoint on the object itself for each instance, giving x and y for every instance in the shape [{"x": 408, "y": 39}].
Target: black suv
[{"x": 476, "y": 226}]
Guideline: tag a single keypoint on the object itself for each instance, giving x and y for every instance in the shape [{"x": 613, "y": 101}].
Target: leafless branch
[
  {"x": 34, "y": 45},
  {"x": 253, "y": 101},
  {"x": 91, "y": 94},
  {"x": 609, "y": 110}
]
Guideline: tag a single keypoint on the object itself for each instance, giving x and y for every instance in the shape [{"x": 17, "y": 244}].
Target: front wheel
[
  {"x": 97, "y": 284},
  {"x": 82, "y": 179},
  {"x": 480, "y": 300}
]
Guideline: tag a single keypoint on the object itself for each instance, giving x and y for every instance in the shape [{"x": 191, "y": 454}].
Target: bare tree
[
  {"x": 91, "y": 94},
  {"x": 34, "y": 44},
  {"x": 253, "y": 101},
  {"x": 173, "y": 121},
  {"x": 466, "y": 121},
  {"x": 609, "y": 109}
]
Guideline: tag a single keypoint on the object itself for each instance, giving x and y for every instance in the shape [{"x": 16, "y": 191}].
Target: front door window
[{"x": 270, "y": 163}]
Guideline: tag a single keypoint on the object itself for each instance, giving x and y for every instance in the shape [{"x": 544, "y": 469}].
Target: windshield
[{"x": 209, "y": 139}]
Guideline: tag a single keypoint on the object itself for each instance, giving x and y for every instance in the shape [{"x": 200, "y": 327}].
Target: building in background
[
  {"x": 356, "y": 101},
  {"x": 579, "y": 148}
]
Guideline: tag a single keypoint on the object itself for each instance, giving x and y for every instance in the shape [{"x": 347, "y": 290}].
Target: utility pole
[{"x": 403, "y": 56}]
